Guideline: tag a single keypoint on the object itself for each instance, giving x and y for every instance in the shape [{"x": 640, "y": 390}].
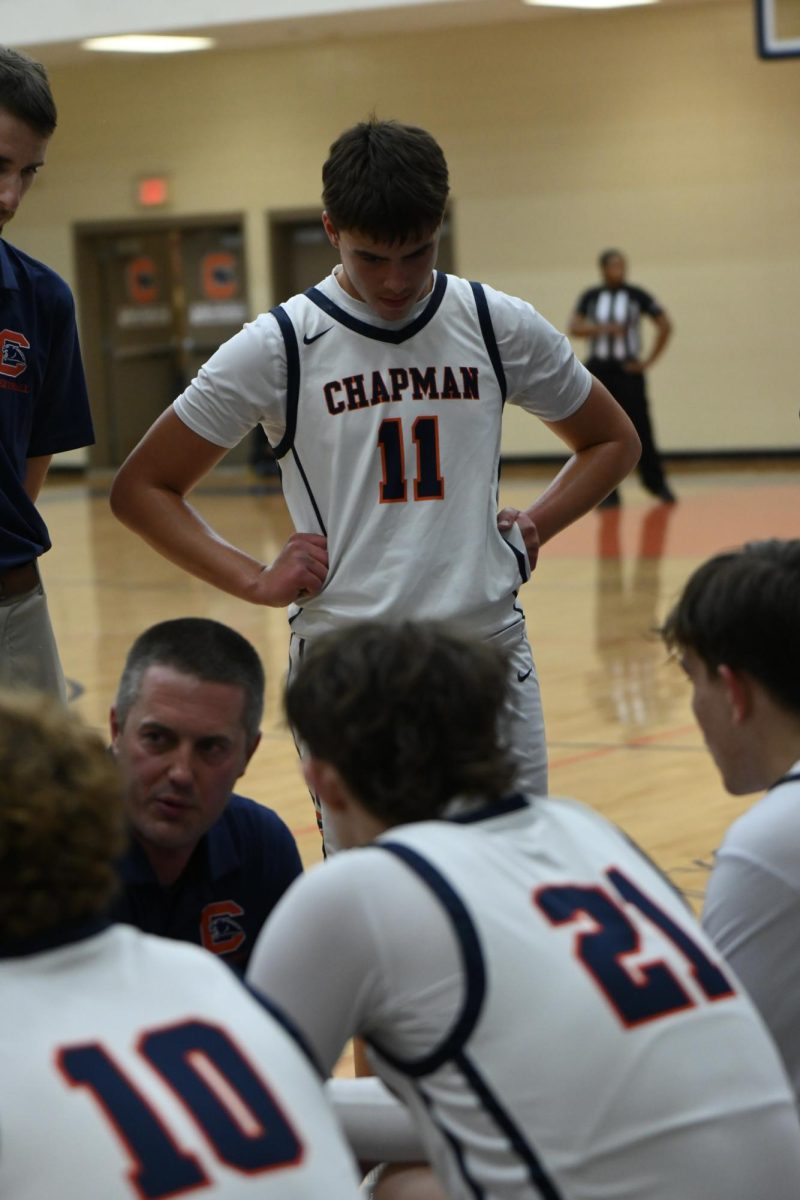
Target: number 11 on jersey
[{"x": 428, "y": 482}]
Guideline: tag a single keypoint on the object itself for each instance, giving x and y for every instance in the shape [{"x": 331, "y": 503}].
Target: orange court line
[{"x": 700, "y": 524}]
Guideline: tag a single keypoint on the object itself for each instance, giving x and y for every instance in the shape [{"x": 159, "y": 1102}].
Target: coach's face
[
  {"x": 181, "y": 749},
  {"x": 22, "y": 152}
]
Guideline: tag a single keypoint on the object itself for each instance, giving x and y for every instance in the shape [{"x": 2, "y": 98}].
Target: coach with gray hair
[{"x": 204, "y": 865}]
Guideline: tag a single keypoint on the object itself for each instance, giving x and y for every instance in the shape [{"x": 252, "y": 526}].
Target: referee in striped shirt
[{"x": 610, "y": 315}]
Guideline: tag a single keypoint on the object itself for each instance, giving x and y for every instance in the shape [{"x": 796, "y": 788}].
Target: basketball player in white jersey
[
  {"x": 132, "y": 1067},
  {"x": 530, "y": 986},
  {"x": 736, "y": 631},
  {"x": 381, "y": 391}
]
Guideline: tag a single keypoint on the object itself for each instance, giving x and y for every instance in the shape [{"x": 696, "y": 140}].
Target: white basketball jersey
[
  {"x": 602, "y": 1051},
  {"x": 391, "y": 450},
  {"x": 134, "y": 1067}
]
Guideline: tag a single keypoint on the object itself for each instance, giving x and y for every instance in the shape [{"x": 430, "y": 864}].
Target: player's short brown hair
[
  {"x": 408, "y": 714},
  {"x": 61, "y": 820},
  {"x": 742, "y": 608},
  {"x": 387, "y": 181},
  {"x": 25, "y": 91}
]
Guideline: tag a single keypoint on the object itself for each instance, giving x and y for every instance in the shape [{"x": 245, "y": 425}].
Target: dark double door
[{"x": 155, "y": 303}]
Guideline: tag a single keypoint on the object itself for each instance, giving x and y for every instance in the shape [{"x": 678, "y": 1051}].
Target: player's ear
[
  {"x": 739, "y": 691},
  {"x": 114, "y": 726},
  {"x": 325, "y": 782},
  {"x": 330, "y": 230}
]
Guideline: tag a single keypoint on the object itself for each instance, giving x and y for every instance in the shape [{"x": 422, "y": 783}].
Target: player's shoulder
[
  {"x": 357, "y": 878},
  {"x": 766, "y": 831},
  {"x": 496, "y": 297},
  {"x": 190, "y": 967},
  {"x": 130, "y": 952},
  {"x": 514, "y": 318}
]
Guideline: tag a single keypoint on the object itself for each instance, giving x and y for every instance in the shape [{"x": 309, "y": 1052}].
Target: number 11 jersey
[{"x": 388, "y": 438}]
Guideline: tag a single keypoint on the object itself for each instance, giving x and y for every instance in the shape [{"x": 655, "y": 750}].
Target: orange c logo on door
[
  {"x": 220, "y": 281},
  {"x": 141, "y": 278},
  {"x": 220, "y": 932},
  {"x": 12, "y": 358}
]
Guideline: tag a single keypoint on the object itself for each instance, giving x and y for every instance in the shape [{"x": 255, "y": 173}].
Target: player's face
[
  {"x": 22, "y": 152},
  {"x": 715, "y": 714},
  {"x": 389, "y": 278},
  {"x": 181, "y": 750}
]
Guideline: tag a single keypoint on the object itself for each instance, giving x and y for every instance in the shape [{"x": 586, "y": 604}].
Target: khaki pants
[{"x": 28, "y": 651}]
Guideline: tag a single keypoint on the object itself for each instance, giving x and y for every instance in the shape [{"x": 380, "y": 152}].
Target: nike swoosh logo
[
  {"x": 308, "y": 340},
  {"x": 523, "y": 675}
]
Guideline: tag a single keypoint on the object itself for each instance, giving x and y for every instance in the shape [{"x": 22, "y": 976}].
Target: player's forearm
[
  {"x": 168, "y": 523},
  {"x": 584, "y": 480},
  {"x": 378, "y": 1127}
]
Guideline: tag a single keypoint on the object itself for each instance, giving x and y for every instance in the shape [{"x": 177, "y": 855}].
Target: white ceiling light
[
  {"x": 589, "y": 3},
  {"x": 147, "y": 43}
]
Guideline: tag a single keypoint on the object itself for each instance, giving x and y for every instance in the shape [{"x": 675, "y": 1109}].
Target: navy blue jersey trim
[
  {"x": 455, "y": 1145},
  {"x": 395, "y": 336},
  {"x": 785, "y": 779},
  {"x": 487, "y": 329},
  {"x": 519, "y": 1142},
  {"x": 472, "y": 958},
  {"x": 292, "y": 379},
  {"x": 498, "y": 808},
  {"x": 288, "y": 1025},
  {"x": 457, "y": 1150},
  {"x": 53, "y": 939},
  {"x": 522, "y": 566},
  {"x": 314, "y": 504}
]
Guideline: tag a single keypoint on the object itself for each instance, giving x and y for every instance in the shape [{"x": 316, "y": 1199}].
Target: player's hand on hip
[
  {"x": 527, "y": 527},
  {"x": 297, "y": 574}
]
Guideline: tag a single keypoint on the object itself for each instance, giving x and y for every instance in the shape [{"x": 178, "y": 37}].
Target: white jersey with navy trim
[
  {"x": 388, "y": 436},
  {"x": 545, "y": 1005},
  {"x": 137, "y": 1068},
  {"x": 752, "y": 910}
]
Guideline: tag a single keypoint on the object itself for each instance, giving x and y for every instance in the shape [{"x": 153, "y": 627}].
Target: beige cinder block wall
[{"x": 655, "y": 129}]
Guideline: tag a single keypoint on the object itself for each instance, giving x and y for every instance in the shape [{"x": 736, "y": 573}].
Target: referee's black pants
[{"x": 628, "y": 389}]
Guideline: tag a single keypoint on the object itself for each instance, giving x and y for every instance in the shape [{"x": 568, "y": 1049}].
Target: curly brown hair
[
  {"x": 61, "y": 818},
  {"x": 408, "y": 714}
]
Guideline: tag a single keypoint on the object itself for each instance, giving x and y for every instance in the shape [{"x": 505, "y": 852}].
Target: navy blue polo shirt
[
  {"x": 234, "y": 879},
  {"x": 44, "y": 406}
]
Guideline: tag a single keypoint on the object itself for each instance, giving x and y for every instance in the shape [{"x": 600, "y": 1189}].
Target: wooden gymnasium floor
[{"x": 620, "y": 727}]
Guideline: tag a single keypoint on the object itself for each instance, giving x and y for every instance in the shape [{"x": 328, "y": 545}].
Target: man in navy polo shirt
[
  {"x": 204, "y": 865},
  {"x": 44, "y": 407}
]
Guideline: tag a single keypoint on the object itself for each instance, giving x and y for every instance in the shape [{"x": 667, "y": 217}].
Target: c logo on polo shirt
[
  {"x": 221, "y": 933},
  {"x": 12, "y": 358}
]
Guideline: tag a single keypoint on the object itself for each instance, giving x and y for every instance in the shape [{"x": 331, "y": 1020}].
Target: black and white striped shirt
[{"x": 623, "y": 305}]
